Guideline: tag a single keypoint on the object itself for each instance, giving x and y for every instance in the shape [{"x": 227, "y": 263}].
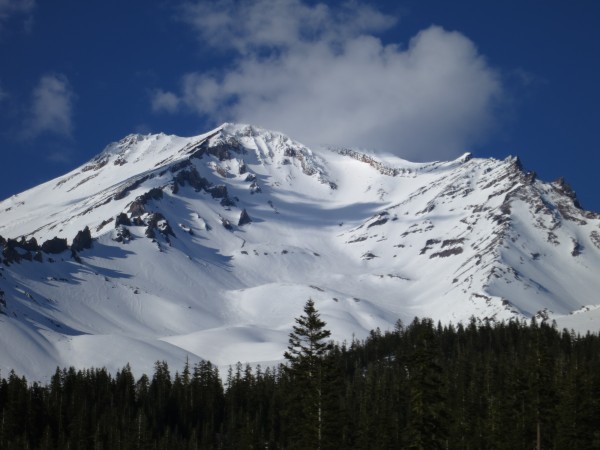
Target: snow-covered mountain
[{"x": 163, "y": 248}]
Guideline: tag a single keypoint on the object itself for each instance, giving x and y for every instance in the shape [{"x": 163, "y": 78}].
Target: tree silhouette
[{"x": 306, "y": 352}]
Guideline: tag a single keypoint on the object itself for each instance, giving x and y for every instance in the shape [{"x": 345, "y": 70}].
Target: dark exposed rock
[
  {"x": 75, "y": 256},
  {"x": 380, "y": 220},
  {"x": 10, "y": 254},
  {"x": 192, "y": 178},
  {"x": 172, "y": 167},
  {"x": 530, "y": 177},
  {"x": 157, "y": 221},
  {"x": 138, "y": 206},
  {"x": 448, "y": 242},
  {"x": 150, "y": 233},
  {"x": 154, "y": 194},
  {"x": 381, "y": 168},
  {"x": 595, "y": 237},
  {"x": 226, "y": 202},
  {"x": 447, "y": 252},
  {"x": 97, "y": 205},
  {"x": 429, "y": 245},
  {"x": 358, "y": 239},
  {"x": 30, "y": 245},
  {"x": 255, "y": 188},
  {"x": 13, "y": 251},
  {"x": 221, "y": 150},
  {"x": 428, "y": 208},
  {"x": 96, "y": 164},
  {"x": 222, "y": 171},
  {"x": 82, "y": 240},
  {"x": 122, "y": 234},
  {"x": 219, "y": 191},
  {"x": 250, "y": 177},
  {"x": 226, "y": 223},
  {"x": 244, "y": 218},
  {"x": 576, "y": 248},
  {"x": 122, "y": 219},
  {"x": 104, "y": 223},
  {"x": 562, "y": 187},
  {"x": 55, "y": 245},
  {"x": 130, "y": 187},
  {"x": 38, "y": 257}
]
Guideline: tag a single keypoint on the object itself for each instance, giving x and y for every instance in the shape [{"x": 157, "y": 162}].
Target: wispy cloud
[
  {"x": 10, "y": 8},
  {"x": 322, "y": 75},
  {"x": 164, "y": 101},
  {"x": 51, "y": 108}
]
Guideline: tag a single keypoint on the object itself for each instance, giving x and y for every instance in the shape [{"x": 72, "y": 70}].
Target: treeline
[{"x": 422, "y": 386}]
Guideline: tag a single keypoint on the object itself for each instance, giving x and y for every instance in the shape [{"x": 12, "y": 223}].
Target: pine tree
[
  {"x": 428, "y": 419},
  {"x": 307, "y": 349}
]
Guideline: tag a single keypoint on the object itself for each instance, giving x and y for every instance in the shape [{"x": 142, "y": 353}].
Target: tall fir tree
[{"x": 308, "y": 346}]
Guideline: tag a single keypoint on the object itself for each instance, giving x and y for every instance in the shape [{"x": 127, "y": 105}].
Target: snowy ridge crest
[{"x": 163, "y": 245}]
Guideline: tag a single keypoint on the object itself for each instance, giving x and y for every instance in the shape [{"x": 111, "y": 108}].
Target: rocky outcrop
[
  {"x": 221, "y": 192},
  {"x": 192, "y": 178},
  {"x": 220, "y": 148},
  {"x": 30, "y": 244},
  {"x": 82, "y": 241},
  {"x": 122, "y": 219},
  {"x": 158, "y": 222},
  {"x": 563, "y": 188},
  {"x": 380, "y": 167},
  {"x": 138, "y": 206},
  {"x": 226, "y": 224},
  {"x": 124, "y": 192},
  {"x": 55, "y": 245},
  {"x": 14, "y": 251},
  {"x": 122, "y": 234},
  {"x": 244, "y": 218},
  {"x": 10, "y": 254}
]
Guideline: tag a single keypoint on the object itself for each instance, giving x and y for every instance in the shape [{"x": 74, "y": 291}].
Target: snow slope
[{"x": 208, "y": 247}]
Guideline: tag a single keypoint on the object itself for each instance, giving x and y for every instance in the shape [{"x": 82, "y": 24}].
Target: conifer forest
[{"x": 511, "y": 385}]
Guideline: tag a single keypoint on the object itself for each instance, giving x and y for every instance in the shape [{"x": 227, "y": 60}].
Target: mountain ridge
[{"x": 169, "y": 245}]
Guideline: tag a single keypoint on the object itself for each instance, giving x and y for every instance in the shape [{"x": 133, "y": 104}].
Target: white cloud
[
  {"x": 164, "y": 101},
  {"x": 10, "y": 8},
  {"x": 323, "y": 76},
  {"x": 51, "y": 109},
  {"x": 249, "y": 26}
]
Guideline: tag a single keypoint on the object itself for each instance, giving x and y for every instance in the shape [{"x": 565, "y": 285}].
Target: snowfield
[{"x": 173, "y": 273}]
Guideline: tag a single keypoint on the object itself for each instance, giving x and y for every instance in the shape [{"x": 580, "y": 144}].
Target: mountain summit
[{"x": 163, "y": 248}]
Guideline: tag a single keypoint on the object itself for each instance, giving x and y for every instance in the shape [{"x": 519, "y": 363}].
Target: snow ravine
[{"x": 173, "y": 272}]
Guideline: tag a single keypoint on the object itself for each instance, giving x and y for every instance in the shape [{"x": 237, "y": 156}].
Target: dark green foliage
[
  {"x": 420, "y": 386},
  {"x": 310, "y": 379}
]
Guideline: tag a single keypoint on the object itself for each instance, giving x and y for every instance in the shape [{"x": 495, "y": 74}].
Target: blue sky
[{"x": 422, "y": 79}]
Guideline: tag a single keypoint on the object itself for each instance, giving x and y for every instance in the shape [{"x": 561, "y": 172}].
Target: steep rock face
[
  {"x": 55, "y": 245},
  {"x": 171, "y": 264},
  {"x": 244, "y": 218},
  {"x": 82, "y": 241}
]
